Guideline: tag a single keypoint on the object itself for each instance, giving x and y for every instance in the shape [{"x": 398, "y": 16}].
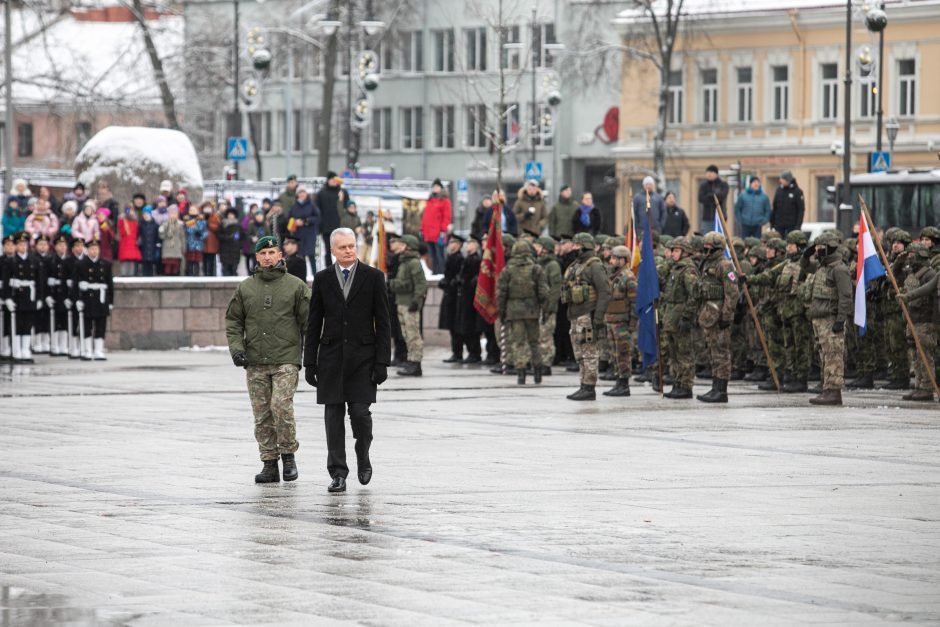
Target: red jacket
[
  {"x": 436, "y": 218},
  {"x": 128, "y": 250}
]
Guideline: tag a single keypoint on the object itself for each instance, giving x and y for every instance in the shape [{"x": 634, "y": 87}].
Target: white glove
[
  {"x": 68, "y": 303},
  {"x": 50, "y": 302},
  {"x": 110, "y": 308},
  {"x": 80, "y": 305},
  {"x": 11, "y": 306},
  {"x": 83, "y": 285},
  {"x": 39, "y": 305}
]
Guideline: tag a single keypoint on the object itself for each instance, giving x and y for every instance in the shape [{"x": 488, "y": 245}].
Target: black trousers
[
  {"x": 327, "y": 257},
  {"x": 456, "y": 343},
  {"x": 361, "y": 420}
]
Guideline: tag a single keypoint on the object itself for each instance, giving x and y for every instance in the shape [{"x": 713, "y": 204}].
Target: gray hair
[{"x": 341, "y": 231}]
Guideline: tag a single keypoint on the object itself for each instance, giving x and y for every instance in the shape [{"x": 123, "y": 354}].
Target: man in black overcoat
[{"x": 347, "y": 351}]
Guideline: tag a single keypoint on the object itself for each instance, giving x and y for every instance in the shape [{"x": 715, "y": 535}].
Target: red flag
[{"x": 484, "y": 301}]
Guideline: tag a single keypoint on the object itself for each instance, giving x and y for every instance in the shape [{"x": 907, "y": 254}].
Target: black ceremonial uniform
[{"x": 93, "y": 293}]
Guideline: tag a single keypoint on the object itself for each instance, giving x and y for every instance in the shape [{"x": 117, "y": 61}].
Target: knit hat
[{"x": 787, "y": 176}]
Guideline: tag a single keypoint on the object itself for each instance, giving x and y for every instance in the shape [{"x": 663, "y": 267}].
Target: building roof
[{"x": 722, "y": 9}]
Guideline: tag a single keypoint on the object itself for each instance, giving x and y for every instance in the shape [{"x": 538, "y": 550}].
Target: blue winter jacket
[
  {"x": 148, "y": 238},
  {"x": 14, "y": 219},
  {"x": 306, "y": 234},
  {"x": 752, "y": 208},
  {"x": 196, "y": 234}
]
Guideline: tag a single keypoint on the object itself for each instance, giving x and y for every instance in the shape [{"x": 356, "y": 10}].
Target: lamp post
[
  {"x": 236, "y": 53},
  {"x": 876, "y": 20},
  {"x": 847, "y": 123},
  {"x": 892, "y": 127},
  {"x": 8, "y": 96}
]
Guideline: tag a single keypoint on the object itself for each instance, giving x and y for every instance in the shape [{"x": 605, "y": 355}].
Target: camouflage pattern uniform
[
  {"x": 619, "y": 317},
  {"x": 521, "y": 293},
  {"x": 922, "y": 309},
  {"x": 586, "y": 292},
  {"x": 552, "y": 268},
  {"x": 604, "y": 246},
  {"x": 742, "y": 319},
  {"x": 719, "y": 290},
  {"x": 271, "y": 390},
  {"x": 830, "y": 310},
  {"x": 679, "y": 307},
  {"x": 899, "y": 367},
  {"x": 410, "y": 288}
]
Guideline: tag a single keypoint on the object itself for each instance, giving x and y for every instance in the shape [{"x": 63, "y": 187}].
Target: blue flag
[
  {"x": 647, "y": 291},
  {"x": 720, "y": 230}
]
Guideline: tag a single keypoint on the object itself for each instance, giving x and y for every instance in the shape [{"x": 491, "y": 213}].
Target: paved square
[{"x": 126, "y": 497}]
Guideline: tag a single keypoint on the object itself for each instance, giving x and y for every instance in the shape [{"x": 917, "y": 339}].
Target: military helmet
[
  {"x": 682, "y": 243},
  {"x": 830, "y": 239},
  {"x": 751, "y": 242},
  {"x": 620, "y": 251},
  {"x": 584, "y": 240},
  {"x": 930, "y": 232},
  {"x": 899, "y": 235},
  {"x": 617, "y": 240},
  {"x": 851, "y": 244},
  {"x": 738, "y": 243},
  {"x": 770, "y": 234},
  {"x": 777, "y": 244},
  {"x": 656, "y": 237},
  {"x": 698, "y": 243},
  {"x": 521, "y": 248},
  {"x": 410, "y": 241},
  {"x": 919, "y": 250},
  {"x": 759, "y": 251},
  {"x": 665, "y": 239},
  {"x": 600, "y": 239},
  {"x": 547, "y": 243},
  {"x": 797, "y": 237},
  {"x": 715, "y": 240}
]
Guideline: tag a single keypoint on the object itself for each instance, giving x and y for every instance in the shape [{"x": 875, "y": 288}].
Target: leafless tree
[{"x": 136, "y": 8}]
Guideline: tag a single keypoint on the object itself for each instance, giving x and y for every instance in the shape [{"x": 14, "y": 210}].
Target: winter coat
[
  {"x": 559, "y": 220},
  {"x": 42, "y": 223},
  {"x": 87, "y": 271},
  {"x": 436, "y": 217},
  {"x": 230, "y": 236},
  {"x": 254, "y": 232},
  {"x": 196, "y": 234},
  {"x": 677, "y": 222},
  {"x": 327, "y": 201},
  {"x": 447, "y": 318},
  {"x": 107, "y": 240},
  {"x": 173, "y": 236},
  {"x": 595, "y": 222},
  {"x": 478, "y": 226},
  {"x": 349, "y": 220},
  {"x": 347, "y": 337},
  {"x": 128, "y": 232},
  {"x": 287, "y": 199},
  {"x": 530, "y": 211},
  {"x": 752, "y": 208},
  {"x": 148, "y": 240},
  {"x": 297, "y": 266},
  {"x": 85, "y": 227},
  {"x": 307, "y": 234},
  {"x": 267, "y": 316},
  {"x": 521, "y": 289},
  {"x": 707, "y": 191},
  {"x": 468, "y": 321},
  {"x": 213, "y": 222},
  {"x": 657, "y": 212},
  {"x": 788, "y": 208},
  {"x": 14, "y": 219},
  {"x": 512, "y": 226},
  {"x": 409, "y": 285}
]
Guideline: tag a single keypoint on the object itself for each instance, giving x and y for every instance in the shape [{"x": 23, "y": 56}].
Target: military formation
[{"x": 55, "y": 298}]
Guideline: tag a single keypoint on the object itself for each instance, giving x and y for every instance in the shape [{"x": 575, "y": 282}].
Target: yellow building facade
[{"x": 763, "y": 90}]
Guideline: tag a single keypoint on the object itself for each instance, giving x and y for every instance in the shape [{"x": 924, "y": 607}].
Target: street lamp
[
  {"x": 236, "y": 53},
  {"x": 876, "y": 20},
  {"x": 892, "y": 127}
]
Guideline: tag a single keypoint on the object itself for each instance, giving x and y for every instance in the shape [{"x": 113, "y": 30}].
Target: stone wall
[{"x": 170, "y": 313}]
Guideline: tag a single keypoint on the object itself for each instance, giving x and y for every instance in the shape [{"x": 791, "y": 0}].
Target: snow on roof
[
  {"x": 715, "y": 8},
  {"x": 131, "y": 152},
  {"x": 60, "y": 60}
]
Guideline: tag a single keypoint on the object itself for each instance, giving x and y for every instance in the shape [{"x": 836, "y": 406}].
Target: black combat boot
[
  {"x": 827, "y": 397},
  {"x": 644, "y": 376},
  {"x": 609, "y": 375},
  {"x": 795, "y": 387},
  {"x": 767, "y": 385},
  {"x": 621, "y": 389},
  {"x": 862, "y": 382},
  {"x": 718, "y": 393},
  {"x": 759, "y": 373},
  {"x": 453, "y": 359},
  {"x": 268, "y": 474},
  {"x": 290, "y": 467},
  {"x": 520, "y": 376},
  {"x": 546, "y": 371},
  {"x": 679, "y": 391},
  {"x": 537, "y": 373},
  {"x": 411, "y": 369},
  {"x": 584, "y": 393},
  {"x": 898, "y": 384}
]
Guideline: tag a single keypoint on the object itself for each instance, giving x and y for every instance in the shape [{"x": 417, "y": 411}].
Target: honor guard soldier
[
  {"x": 93, "y": 293},
  {"x": 679, "y": 307},
  {"x": 78, "y": 253},
  {"x": 521, "y": 295},
  {"x": 545, "y": 257},
  {"x": 586, "y": 293},
  {"x": 23, "y": 293},
  {"x": 57, "y": 296},
  {"x": 620, "y": 319},
  {"x": 42, "y": 342},
  {"x": 915, "y": 274},
  {"x": 6, "y": 325},
  {"x": 719, "y": 291}
]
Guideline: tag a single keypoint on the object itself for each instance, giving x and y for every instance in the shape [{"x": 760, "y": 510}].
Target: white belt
[
  {"x": 22, "y": 283},
  {"x": 54, "y": 282},
  {"x": 68, "y": 282},
  {"x": 102, "y": 288}
]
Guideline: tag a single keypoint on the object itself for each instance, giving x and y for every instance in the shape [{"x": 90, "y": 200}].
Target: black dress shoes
[
  {"x": 338, "y": 485},
  {"x": 365, "y": 475}
]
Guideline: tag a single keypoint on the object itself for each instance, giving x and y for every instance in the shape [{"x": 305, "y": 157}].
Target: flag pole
[
  {"x": 747, "y": 294},
  {"x": 659, "y": 347},
  {"x": 897, "y": 291}
]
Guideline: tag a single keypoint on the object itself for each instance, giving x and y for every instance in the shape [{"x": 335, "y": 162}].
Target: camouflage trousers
[
  {"x": 410, "y": 322},
  {"x": 754, "y": 350},
  {"x": 271, "y": 390},
  {"x": 927, "y": 334},
  {"x": 739, "y": 346},
  {"x": 700, "y": 354},
  {"x": 867, "y": 346},
  {"x": 524, "y": 343},
  {"x": 831, "y": 353},
  {"x": 501, "y": 329},
  {"x": 681, "y": 357},
  {"x": 719, "y": 351},
  {"x": 585, "y": 348},
  {"x": 620, "y": 339},
  {"x": 771, "y": 324},
  {"x": 797, "y": 347},
  {"x": 603, "y": 347},
  {"x": 547, "y": 339},
  {"x": 899, "y": 367}
]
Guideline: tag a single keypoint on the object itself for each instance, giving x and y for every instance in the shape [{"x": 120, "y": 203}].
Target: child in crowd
[
  {"x": 196, "y": 234},
  {"x": 148, "y": 240},
  {"x": 173, "y": 241},
  {"x": 128, "y": 248}
]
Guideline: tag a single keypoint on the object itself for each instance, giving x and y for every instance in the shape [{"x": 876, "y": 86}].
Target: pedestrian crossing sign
[
  {"x": 237, "y": 148},
  {"x": 880, "y": 161},
  {"x": 533, "y": 170}
]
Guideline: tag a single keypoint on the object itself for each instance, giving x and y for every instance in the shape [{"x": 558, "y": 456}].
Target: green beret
[{"x": 268, "y": 241}]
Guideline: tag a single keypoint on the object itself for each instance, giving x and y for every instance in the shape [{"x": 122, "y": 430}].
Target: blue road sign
[
  {"x": 237, "y": 148},
  {"x": 533, "y": 170},
  {"x": 880, "y": 161},
  {"x": 463, "y": 185}
]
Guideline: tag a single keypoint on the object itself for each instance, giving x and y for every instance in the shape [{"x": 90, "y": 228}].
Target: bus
[{"x": 907, "y": 199}]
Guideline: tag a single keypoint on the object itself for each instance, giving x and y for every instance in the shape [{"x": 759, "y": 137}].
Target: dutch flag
[{"x": 868, "y": 268}]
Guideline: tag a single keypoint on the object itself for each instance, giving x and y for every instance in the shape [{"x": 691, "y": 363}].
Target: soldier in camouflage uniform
[
  {"x": 679, "y": 307},
  {"x": 757, "y": 257},
  {"x": 922, "y": 308},
  {"x": 830, "y": 309},
  {"x": 899, "y": 367},
  {"x": 739, "y": 338},
  {"x": 264, "y": 325},
  {"x": 621, "y": 319},
  {"x": 797, "y": 336},
  {"x": 410, "y": 288},
  {"x": 545, "y": 257},
  {"x": 702, "y": 367},
  {"x": 606, "y": 372},
  {"x": 719, "y": 291},
  {"x": 521, "y": 295},
  {"x": 586, "y": 293},
  {"x": 930, "y": 237},
  {"x": 500, "y": 330},
  {"x": 768, "y": 306}
]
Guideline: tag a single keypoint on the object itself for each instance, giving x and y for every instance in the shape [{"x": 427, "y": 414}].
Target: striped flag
[
  {"x": 868, "y": 268},
  {"x": 382, "y": 242},
  {"x": 719, "y": 229}
]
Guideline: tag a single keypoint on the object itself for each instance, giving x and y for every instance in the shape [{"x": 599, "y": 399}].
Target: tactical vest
[
  {"x": 676, "y": 291},
  {"x": 523, "y": 285},
  {"x": 576, "y": 290},
  {"x": 825, "y": 294},
  {"x": 921, "y": 309},
  {"x": 620, "y": 294},
  {"x": 712, "y": 287}
]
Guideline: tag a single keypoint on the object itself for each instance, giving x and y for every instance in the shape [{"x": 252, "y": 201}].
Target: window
[
  {"x": 475, "y": 39},
  {"x": 412, "y": 52},
  {"x": 825, "y": 210},
  {"x": 313, "y": 123},
  {"x": 867, "y": 97},
  {"x": 24, "y": 140},
  {"x": 412, "y": 128},
  {"x": 907, "y": 87},
  {"x": 383, "y": 52},
  {"x": 709, "y": 96},
  {"x": 544, "y": 34},
  {"x": 267, "y": 131},
  {"x": 381, "y": 129},
  {"x": 830, "y": 91},
  {"x": 780, "y": 96},
  {"x": 545, "y": 126},
  {"x": 294, "y": 140},
  {"x": 675, "y": 99},
  {"x": 443, "y": 50},
  {"x": 509, "y": 124},
  {"x": 476, "y": 126},
  {"x": 443, "y": 127},
  {"x": 511, "y": 59},
  {"x": 745, "y": 78}
]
